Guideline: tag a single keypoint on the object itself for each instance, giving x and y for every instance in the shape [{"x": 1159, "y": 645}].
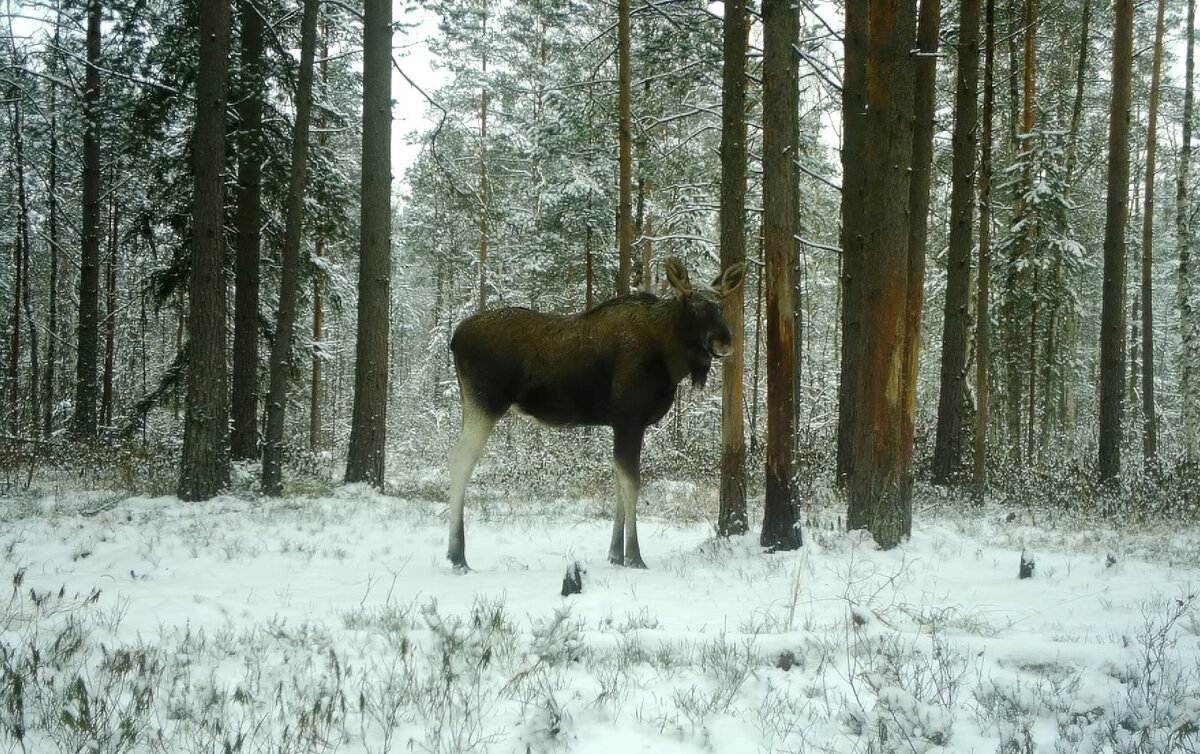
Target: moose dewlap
[{"x": 617, "y": 365}]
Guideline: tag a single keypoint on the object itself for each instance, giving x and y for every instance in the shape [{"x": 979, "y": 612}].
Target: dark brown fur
[{"x": 616, "y": 365}]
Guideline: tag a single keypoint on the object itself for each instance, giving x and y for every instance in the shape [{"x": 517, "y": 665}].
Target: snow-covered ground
[{"x": 333, "y": 623}]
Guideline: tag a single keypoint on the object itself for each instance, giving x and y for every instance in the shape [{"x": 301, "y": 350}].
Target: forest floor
[{"x": 331, "y": 621}]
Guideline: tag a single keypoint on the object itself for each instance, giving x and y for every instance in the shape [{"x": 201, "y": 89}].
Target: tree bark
[
  {"x": 1112, "y": 314},
  {"x": 951, "y": 415},
  {"x": 110, "y": 311},
  {"x": 52, "y": 326},
  {"x": 318, "y": 323},
  {"x": 924, "y": 71},
  {"x": 1149, "y": 417},
  {"x": 485, "y": 196},
  {"x": 880, "y": 488},
  {"x": 83, "y": 424},
  {"x": 1029, "y": 21},
  {"x": 11, "y": 418},
  {"x": 854, "y": 124},
  {"x": 1011, "y": 335},
  {"x": 1189, "y": 357},
  {"x": 983, "y": 321},
  {"x": 289, "y": 282},
  {"x": 780, "y": 530},
  {"x": 624, "y": 152},
  {"x": 22, "y": 297},
  {"x": 205, "y": 461},
  {"x": 369, "y": 421},
  {"x": 1065, "y": 315},
  {"x": 589, "y": 275},
  {"x": 245, "y": 394},
  {"x": 731, "y": 518}
]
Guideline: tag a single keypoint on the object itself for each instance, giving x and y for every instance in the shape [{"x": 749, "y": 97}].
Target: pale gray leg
[
  {"x": 616, "y": 549},
  {"x": 627, "y": 494},
  {"x": 476, "y": 427},
  {"x": 627, "y": 450}
]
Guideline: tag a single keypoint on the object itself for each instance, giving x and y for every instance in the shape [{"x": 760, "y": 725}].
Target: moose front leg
[{"x": 627, "y": 452}]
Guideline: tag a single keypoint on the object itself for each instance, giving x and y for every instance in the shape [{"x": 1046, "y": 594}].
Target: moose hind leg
[
  {"x": 477, "y": 425},
  {"x": 624, "y": 549}
]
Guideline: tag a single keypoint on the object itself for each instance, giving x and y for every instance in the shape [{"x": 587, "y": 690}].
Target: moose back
[{"x": 616, "y": 365}]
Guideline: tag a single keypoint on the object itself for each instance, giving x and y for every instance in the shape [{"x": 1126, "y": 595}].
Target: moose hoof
[
  {"x": 459, "y": 564},
  {"x": 635, "y": 562}
]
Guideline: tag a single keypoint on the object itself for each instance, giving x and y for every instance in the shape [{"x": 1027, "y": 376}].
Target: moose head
[{"x": 617, "y": 365}]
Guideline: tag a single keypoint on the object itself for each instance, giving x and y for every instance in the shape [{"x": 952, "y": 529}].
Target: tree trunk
[
  {"x": 245, "y": 394},
  {"x": 1112, "y": 314},
  {"x": 589, "y": 274},
  {"x": 1134, "y": 343},
  {"x": 854, "y": 124},
  {"x": 781, "y": 26},
  {"x": 289, "y": 282},
  {"x": 648, "y": 250},
  {"x": 983, "y": 322},
  {"x": 485, "y": 197},
  {"x": 318, "y": 333},
  {"x": 1067, "y": 315},
  {"x": 83, "y": 424},
  {"x": 22, "y": 298},
  {"x": 757, "y": 358},
  {"x": 731, "y": 518},
  {"x": 1010, "y": 334},
  {"x": 12, "y": 392},
  {"x": 27, "y": 298},
  {"x": 53, "y": 334},
  {"x": 1189, "y": 357},
  {"x": 205, "y": 461},
  {"x": 924, "y": 72},
  {"x": 369, "y": 423},
  {"x": 318, "y": 324},
  {"x": 1080, "y": 82},
  {"x": 12, "y": 416},
  {"x": 1149, "y": 417},
  {"x": 624, "y": 153},
  {"x": 1029, "y": 21},
  {"x": 951, "y": 418},
  {"x": 880, "y": 488},
  {"x": 638, "y": 278},
  {"x": 110, "y": 311}
]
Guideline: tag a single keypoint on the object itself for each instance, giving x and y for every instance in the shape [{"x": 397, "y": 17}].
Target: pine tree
[
  {"x": 780, "y": 529},
  {"x": 624, "y": 151},
  {"x": 854, "y": 112},
  {"x": 952, "y": 396},
  {"x": 245, "y": 393},
  {"x": 365, "y": 460},
  {"x": 879, "y": 485},
  {"x": 731, "y": 518},
  {"x": 925, "y": 71},
  {"x": 1189, "y": 356},
  {"x": 205, "y": 463},
  {"x": 983, "y": 322},
  {"x": 1112, "y": 318},
  {"x": 281, "y": 349},
  {"x": 84, "y": 423},
  {"x": 1149, "y": 418}
]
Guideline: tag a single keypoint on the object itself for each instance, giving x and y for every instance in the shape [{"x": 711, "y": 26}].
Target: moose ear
[
  {"x": 677, "y": 276},
  {"x": 729, "y": 280}
]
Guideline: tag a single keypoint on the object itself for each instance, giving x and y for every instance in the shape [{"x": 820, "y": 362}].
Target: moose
[{"x": 616, "y": 365}]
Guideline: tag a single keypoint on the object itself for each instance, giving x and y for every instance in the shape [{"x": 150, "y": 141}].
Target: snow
[{"x": 333, "y": 623}]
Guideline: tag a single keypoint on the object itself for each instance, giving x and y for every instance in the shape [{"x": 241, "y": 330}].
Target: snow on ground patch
[{"x": 335, "y": 624}]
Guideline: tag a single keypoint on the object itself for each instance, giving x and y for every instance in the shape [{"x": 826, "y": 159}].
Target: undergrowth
[{"x": 888, "y": 677}]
